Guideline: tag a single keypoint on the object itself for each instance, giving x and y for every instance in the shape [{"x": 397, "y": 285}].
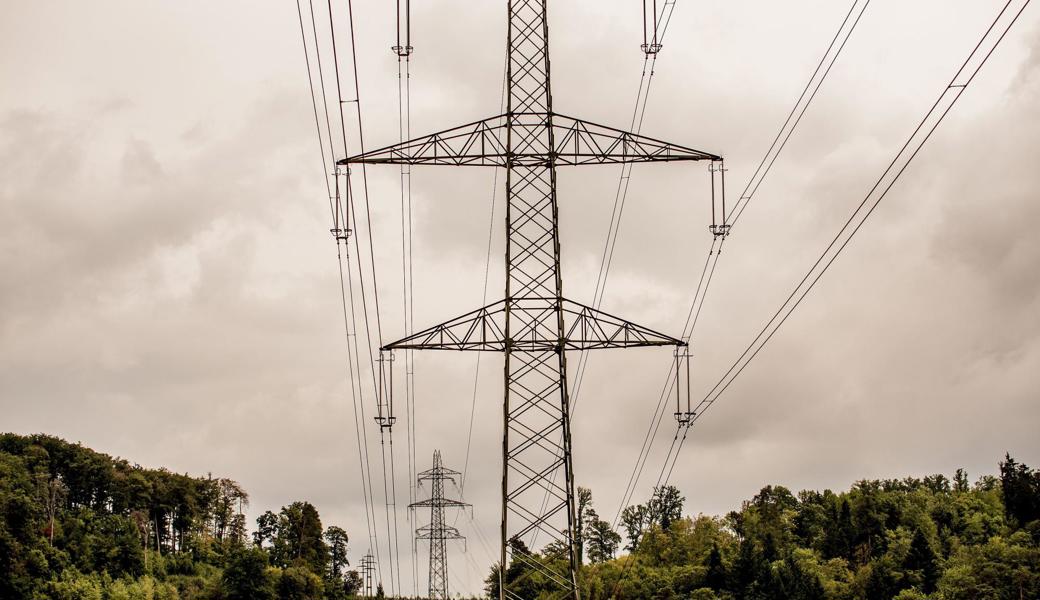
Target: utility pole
[
  {"x": 534, "y": 325},
  {"x": 368, "y": 569},
  {"x": 437, "y": 532}
]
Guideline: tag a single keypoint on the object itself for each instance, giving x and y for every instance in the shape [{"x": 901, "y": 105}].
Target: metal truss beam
[
  {"x": 585, "y": 328},
  {"x": 575, "y": 142}
]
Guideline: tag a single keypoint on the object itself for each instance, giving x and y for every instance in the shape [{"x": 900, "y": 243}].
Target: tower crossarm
[
  {"x": 433, "y": 502},
  {"x": 575, "y": 142},
  {"x": 445, "y": 532},
  {"x": 585, "y": 328}
]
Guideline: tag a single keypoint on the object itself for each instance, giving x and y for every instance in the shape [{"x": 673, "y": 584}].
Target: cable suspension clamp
[
  {"x": 403, "y": 48},
  {"x": 718, "y": 200},
  {"x": 340, "y": 217},
  {"x": 385, "y": 402},
  {"x": 651, "y": 44},
  {"x": 682, "y": 387}
]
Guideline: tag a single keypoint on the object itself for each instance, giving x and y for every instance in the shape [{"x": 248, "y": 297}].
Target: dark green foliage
[
  {"x": 1021, "y": 487},
  {"x": 77, "y": 524},
  {"x": 336, "y": 540},
  {"x": 933, "y": 538},
  {"x": 298, "y": 539},
  {"x": 716, "y": 576},
  {"x": 922, "y": 562},
  {"x": 245, "y": 577},
  {"x": 299, "y": 583},
  {"x": 665, "y": 506}
]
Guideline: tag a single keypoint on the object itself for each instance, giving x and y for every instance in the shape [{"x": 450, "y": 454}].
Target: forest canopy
[{"x": 76, "y": 524}]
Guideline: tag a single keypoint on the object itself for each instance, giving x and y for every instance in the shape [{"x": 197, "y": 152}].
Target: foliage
[
  {"x": 76, "y": 524},
  {"x": 909, "y": 539}
]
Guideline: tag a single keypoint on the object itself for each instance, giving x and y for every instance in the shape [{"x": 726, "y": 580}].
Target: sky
[{"x": 170, "y": 294}]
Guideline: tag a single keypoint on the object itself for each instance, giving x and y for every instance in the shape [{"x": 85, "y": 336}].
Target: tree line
[
  {"x": 76, "y": 524},
  {"x": 909, "y": 539}
]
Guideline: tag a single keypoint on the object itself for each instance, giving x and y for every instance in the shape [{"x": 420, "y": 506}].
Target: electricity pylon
[
  {"x": 368, "y": 569},
  {"x": 437, "y": 532},
  {"x": 534, "y": 325}
]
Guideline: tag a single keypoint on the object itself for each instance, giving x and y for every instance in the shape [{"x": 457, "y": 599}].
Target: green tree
[
  {"x": 603, "y": 540},
  {"x": 922, "y": 560},
  {"x": 584, "y": 518},
  {"x": 634, "y": 520},
  {"x": 1021, "y": 487},
  {"x": 299, "y": 583},
  {"x": 245, "y": 576},
  {"x": 716, "y": 575},
  {"x": 298, "y": 538},
  {"x": 336, "y": 539},
  {"x": 266, "y": 526},
  {"x": 665, "y": 506}
]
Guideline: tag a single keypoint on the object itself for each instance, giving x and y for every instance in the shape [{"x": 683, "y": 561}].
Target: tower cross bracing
[{"x": 533, "y": 325}]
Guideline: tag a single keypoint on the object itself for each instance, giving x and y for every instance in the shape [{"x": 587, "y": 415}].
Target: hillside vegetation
[
  {"x": 909, "y": 539},
  {"x": 76, "y": 524}
]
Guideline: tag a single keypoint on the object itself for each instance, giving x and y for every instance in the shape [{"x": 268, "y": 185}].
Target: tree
[
  {"x": 716, "y": 576},
  {"x": 665, "y": 506},
  {"x": 634, "y": 519},
  {"x": 581, "y": 524},
  {"x": 603, "y": 540},
  {"x": 923, "y": 561},
  {"x": 299, "y": 583},
  {"x": 337, "y": 539},
  {"x": 960, "y": 481},
  {"x": 1021, "y": 487},
  {"x": 245, "y": 577},
  {"x": 266, "y": 525},
  {"x": 298, "y": 538},
  {"x": 352, "y": 583}
]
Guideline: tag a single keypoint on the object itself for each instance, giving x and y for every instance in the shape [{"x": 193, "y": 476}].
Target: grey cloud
[{"x": 170, "y": 294}]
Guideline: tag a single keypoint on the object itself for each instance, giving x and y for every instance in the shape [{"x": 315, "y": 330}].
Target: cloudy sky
[{"x": 169, "y": 290}]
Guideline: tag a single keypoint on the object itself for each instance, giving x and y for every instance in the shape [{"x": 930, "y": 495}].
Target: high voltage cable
[
  {"x": 389, "y": 491},
  {"x": 392, "y": 500},
  {"x": 922, "y": 133},
  {"x": 314, "y": 106},
  {"x": 359, "y": 418},
  {"x": 809, "y": 92},
  {"x": 947, "y": 99},
  {"x": 763, "y": 169},
  {"x": 487, "y": 271},
  {"x": 620, "y": 196},
  {"x": 404, "y": 114}
]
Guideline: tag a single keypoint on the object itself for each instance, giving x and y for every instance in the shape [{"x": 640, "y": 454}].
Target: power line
[
  {"x": 403, "y": 50},
  {"x": 794, "y": 117},
  {"x": 777, "y": 146},
  {"x": 922, "y": 133},
  {"x": 361, "y": 436},
  {"x": 483, "y": 301},
  {"x": 389, "y": 489}
]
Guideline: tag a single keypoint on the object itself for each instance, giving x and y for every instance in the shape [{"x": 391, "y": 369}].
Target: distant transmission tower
[
  {"x": 437, "y": 532},
  {"x": 368, "y": 569},
  {"x": 534, "y": 325}
]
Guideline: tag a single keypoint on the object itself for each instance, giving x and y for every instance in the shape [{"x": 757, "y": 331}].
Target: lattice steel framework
[
  {"x": 438, "y": 532},
  {"x": 368, "y": 569},
  {"x": 534, "y": 325}
]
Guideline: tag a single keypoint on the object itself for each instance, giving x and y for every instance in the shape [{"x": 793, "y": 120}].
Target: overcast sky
[{"x": 169, "y": 293}]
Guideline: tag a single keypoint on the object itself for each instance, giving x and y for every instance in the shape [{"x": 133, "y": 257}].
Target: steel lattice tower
[
  {"x": 437, "y": 532},
  {"x": 368, "y": 568},
  {"x": 534, "y": 325}
]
